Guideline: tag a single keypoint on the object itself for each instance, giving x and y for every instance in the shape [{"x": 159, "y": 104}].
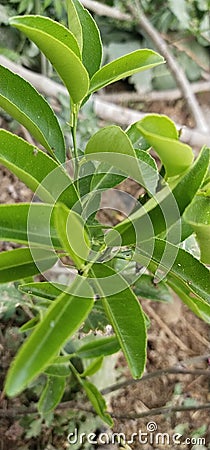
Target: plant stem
[{"x": 73, "y": 123}]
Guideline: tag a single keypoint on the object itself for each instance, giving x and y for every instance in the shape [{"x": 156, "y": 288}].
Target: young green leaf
[
  {"x": 72, "y": 234},
  {"x": 62, "y": 319},
  {"x": 197, "y": 215},
  {"x": 97, "y": 401},
  {"x": 29, "y": 108},
  {"x": 125, "y": 314},
  {"x": 61, "y": 48},
  {"x": 28, "y": 224},
  {"x": 19, "y": 263},
  {"x": 162, "y": 135},
  {"x": 51, "y": 394},
  {"x": 111, "y": 145},
  {"x": 91, "y": 40},
  {"x": 93, "y": 367},
  {"x": 36, "y": 169},
  {"x": 124, "y": 67},
  {"x": 98, "y": 347},
  {"x": 74, "y": 23}
]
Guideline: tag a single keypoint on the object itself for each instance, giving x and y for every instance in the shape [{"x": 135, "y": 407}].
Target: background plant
[{"x": 64, "y": 224}]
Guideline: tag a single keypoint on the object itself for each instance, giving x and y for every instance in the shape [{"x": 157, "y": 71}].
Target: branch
[
  {"x": 103, "y": 10},
  {"x": 154, "y": 96},
  {"x": 104, "y": 110},
  {"x": 157, "y": 373},
  {"x": 161, "y": 411},
  {"x": 174, "y": 67},
  {"x": 126, "y": 116}
]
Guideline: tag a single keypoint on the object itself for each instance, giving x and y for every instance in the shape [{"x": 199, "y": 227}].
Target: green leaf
[
  {"x": 197, "y": 215},
  {"x": 72, "y": 234},
  {"x": 195, "y": 303},
  {"x": 176, "y": 263},
  {"x": 146, "y": 288},
  {"x": 93, "y": 367},
  {"x": 42, "y": 289},
  {"x": 168, "y": 206},
  {"x": 61, "y": 48},
  {"x": 111, "y": 145},
  {"x": 52, "y": 394},
  {"x": 125, "y": 314},
  {"x": 92, "y": 46},
  {"x": 58, "y": 370},
  {"x": 162, "y": 135},
  {"x": 28, "y": 107},
  {"x": 98, "y": 347},
  {"x": 124, "y": 67},
  {"x": 74, "y": 23},
  {"x": 97, "y": 401},
  {"x": 62, "y": 319},
  {"x": 29, "y": 325},
  {"x": 36, "y": 169},
  {"x": 28, "y": 224},
  {"x": 19, "y": 263}
]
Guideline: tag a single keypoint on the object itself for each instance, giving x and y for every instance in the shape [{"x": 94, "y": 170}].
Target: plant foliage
[{"x": 142, "y": 255}]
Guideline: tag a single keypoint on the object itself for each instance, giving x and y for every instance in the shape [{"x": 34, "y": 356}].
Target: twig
[
  {"x": 157, "y": 373},
  {"x": 167, "y": 330},
  {"x": 103, "y": 10},
  {"x": 161, "y": 411},
  {"x": 174, "y": 67},
  {"x": 106, "y": 111},
  {"x": 154, "y": 96}
]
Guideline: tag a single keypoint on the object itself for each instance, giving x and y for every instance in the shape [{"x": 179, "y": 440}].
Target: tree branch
[
  {"x": 157, "y": 373},
  {"x": 162, "y": 47},
  {"x": 103, "y": 10},
  {"x": 161, "y": 411},
  {"x": 154, "y": 96},
  {"x": 174, "y": 67}
]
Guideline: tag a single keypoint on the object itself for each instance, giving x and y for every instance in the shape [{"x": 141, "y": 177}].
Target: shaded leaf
[
  {"x": 62, "y": 319},
  {"x": 21, "y": 100},
  {"x": 71, "y": 231},
  {"x": 51, "y": 394},
  {"x": 146, "y": 288},
  {"x": 97, "y": 401},
  {"x": 98, "y": 347},
  {"x": 93, "y": 367},
  {"x": 28, "y": 224},
  {"x": 197, "y": 215},
  {"x": 19, "y": 263},
  {"x": 36, "y": 169}
]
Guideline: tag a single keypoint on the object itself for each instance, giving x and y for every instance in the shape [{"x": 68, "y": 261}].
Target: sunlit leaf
[{"x": 60, "y": 47}]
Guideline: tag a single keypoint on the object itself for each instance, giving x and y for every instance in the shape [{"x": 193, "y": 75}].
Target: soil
[{"x": 176, "y": 338}]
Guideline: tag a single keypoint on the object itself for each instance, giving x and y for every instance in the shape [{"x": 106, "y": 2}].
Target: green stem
[{"x": 73, "y": 122}]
